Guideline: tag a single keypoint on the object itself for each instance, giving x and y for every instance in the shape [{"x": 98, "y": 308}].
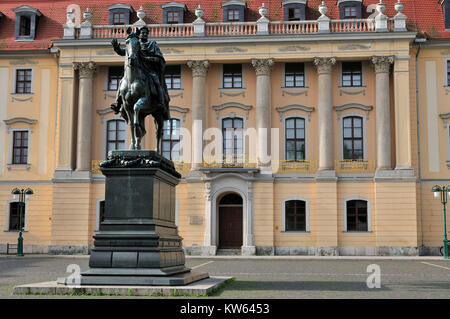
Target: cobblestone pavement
[{"x": 270, "y": 278}]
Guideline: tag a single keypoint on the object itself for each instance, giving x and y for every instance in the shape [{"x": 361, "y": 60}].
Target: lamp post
[
  {"x": 21, "y": 193},
  {"x": 443, "y": 191}
]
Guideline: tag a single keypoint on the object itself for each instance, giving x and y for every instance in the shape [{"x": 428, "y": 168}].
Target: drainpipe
[{"x": 419, "y": 42}]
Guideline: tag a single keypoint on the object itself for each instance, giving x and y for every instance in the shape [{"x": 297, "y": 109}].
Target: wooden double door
[{"x": 230, "y": 226}]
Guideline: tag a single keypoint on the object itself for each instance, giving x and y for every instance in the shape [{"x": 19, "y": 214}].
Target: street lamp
[
  {"x": 21, "y": 193},
  {"x": 444, "y": 191}
]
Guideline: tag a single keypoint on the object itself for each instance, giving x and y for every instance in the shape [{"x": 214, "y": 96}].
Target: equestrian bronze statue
[{"x": 142, "y": 90}]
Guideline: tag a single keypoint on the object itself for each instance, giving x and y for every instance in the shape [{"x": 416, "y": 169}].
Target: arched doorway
[{"x": 230, "y": 221}]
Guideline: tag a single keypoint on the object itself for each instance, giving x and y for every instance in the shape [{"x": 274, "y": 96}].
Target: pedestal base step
[{"x": 201, "y": 287}]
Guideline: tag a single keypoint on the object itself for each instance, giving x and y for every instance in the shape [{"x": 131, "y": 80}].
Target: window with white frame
[
  {"x": 116, "y": 132},
  {"x": 20, "y": 147},
  {"x": 356, "y": 215},
  {"x": 295, "y": 215},
  {"x": 171, "y": 140},
  {"x": 115, "y": 74}
]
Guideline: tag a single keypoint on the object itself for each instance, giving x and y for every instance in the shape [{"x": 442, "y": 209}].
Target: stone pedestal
[{"x": 138, "y": 241}]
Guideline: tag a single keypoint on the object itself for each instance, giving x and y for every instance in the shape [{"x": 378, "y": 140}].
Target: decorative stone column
[
  {"x": 325, "y": 109},
  {"x": 248, "y": 247},
  {"x": 263, "y": 67},
  {"x": 84, "y": 132},
  {"x": 199, "y": 71},
  {"x": 382, "y": 66}
]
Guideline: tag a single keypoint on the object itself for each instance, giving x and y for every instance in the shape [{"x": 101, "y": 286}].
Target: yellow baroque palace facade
[{"x": 354, "y": 111}]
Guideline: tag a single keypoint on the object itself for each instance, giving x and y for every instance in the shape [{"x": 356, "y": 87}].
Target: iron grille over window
[
  {"x": 357, "y": 215},
  {"x": 294, "y": 75},
  {"x": 170, "y": 143},
  {"x": 353, "y": 138},
  {"x": 232, "y": 75},
  {"x": 173, "y": 77},
  {"x": 20, "y": 147},
  {"x": 351, "y": 74},
  {"x": 295, "y": 139},
  {"x": 295, "y": 218}
]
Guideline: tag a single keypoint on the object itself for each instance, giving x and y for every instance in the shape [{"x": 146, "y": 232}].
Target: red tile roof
[{"x": 424, "y": 16}]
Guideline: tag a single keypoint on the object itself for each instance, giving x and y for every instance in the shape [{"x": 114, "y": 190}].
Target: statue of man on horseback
[{"x": 142, "y": 90}]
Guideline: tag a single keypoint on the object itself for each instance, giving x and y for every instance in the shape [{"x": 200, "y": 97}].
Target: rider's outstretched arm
[{"x": 117, "y": 48}]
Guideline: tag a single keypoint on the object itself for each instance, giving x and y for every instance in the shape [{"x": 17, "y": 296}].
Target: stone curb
[{"x": 202, "y": 287}]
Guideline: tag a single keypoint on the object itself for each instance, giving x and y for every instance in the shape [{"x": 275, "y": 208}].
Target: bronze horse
[{"x": 136, "y": 95}]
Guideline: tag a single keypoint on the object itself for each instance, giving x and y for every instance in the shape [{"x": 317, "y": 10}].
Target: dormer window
[
  {"x": 294, "y": 10},
  {"x": 173, "y": 12},
  {"x": 350, "y": 9},
  {"x": 446, "y": 10},
  {"x": 25, "y": 26},
  {"x": 350, "y": 12},
  {"x": 119, "y": 14},
  {"x": 26, "y": 22},
  {"x": 233, "y": 11}
]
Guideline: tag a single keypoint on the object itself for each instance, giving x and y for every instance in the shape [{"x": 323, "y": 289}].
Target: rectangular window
[
  {"x": 448, "y": 72},
  {"x": 116, "y": 135},
  {"x": 20, "y": 147},
  {"x": 351, "y": 74},
  {"x": 357, "y": 215},
  {"x": 234, "y": 15},
  {"x": 232, "y": 76},
  {"x": 23, "y": 80},
  {"x": 233, "y": 140},
  {"x": 294, "y": 14},
  {"x": 170, "y": 143},
  {"x": 115, "y": 74},
  {"x": 173, "y": 77},
  {"x": 14, "y": 216},
  {"x": 295, "y": 211},
  {"x": 173, "y": 17},
  {"x": 295, "y": 139},
  {"x": 119, "y": 18},
  {"x": 353, "y": 138},
  {"x": 294, "y": 75},
  {"x": 350, "y": 12},
  {"x": 25, "y": 26}
]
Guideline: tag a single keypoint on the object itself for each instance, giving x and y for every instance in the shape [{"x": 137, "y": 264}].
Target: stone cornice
[
  {"x": 199, "y": 67},
  {"x": 364, "y": 108},
  {"x": 263, "y": 66},
  {"x": 173, "y": 4},
  {"x": 291, "y": 107},
  {"x": 382, "y": 64},
  {"x": 27, "y": 9},
  {"x": 234, "y": 3},
  {"x": 120, "y": 6},
  {"x": 285, "y": 2},
  {"x": 85, "y": 69},
  {"x": 246, "y": 108},
  {"x": 324, "y": 64},
  {"x": 19, "y": 120}
]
